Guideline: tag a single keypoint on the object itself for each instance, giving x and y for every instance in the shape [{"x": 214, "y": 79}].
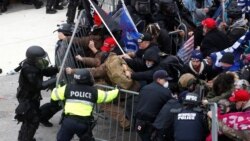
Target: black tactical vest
[{"x": 81, "y": 92}]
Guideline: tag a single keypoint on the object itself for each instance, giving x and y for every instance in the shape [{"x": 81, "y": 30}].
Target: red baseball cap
[
  {"x": 209, "y": 23},
  {"x": 108, "y": 45},
  {"x": 240, "y": 95}
]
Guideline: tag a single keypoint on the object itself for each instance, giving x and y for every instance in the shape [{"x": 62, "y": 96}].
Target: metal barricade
[
  {"x": 214, "y": 109},
  {"x": 115, "y": 120},
  {"x": 177, "y": 41}
]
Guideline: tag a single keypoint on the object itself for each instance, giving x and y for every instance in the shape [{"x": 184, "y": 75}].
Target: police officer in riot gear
[
  {"x": 80, "y": 98},
  {"x": 33, "y": 68},
  {"x": 167, "y": 15},
  {"x": 190, "y": 122}
]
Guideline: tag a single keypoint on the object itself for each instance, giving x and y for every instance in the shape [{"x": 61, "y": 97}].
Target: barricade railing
[
  {"x": 115, "y": 120},
  {"x": 177, "y": 41},
  {"x": 214, "y": 109}
]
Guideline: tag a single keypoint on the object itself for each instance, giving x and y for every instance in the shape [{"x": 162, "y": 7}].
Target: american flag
[{"x": 186, "y": 50}]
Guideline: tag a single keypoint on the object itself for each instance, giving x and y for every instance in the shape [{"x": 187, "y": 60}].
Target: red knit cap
[{"x": 209, "y": 23}]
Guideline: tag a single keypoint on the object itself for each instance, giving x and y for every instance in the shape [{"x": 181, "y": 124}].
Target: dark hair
[
  {"x": 223, "y": 83},
  {"x": 154, "y": 29}
]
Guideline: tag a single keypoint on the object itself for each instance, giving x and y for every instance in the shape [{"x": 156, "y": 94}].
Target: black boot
[
  {"x": 38, "y": 4},
  {"x": 58, "y": 7},
  {"x": 3, "y": 8},
  {"x": 46, "y": 123},
  {"x": 28, "y": 2},
  {"x": 50, "y": 11}
]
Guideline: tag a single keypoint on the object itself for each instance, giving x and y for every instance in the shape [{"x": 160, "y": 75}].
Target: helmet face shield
[{"x": 43, "y": 63}]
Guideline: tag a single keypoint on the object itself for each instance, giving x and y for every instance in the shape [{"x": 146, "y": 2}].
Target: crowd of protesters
[
  {"x": 174, "y": 92},
  {"x": 170, "y": 99}
]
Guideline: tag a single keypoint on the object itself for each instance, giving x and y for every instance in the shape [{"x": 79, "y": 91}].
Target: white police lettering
[
  {"x": 80, "y": 94},
  {"x": 77, "y": 76},
  {"x": 186, "y": 116},
  {"x": 191, "y": 97}
]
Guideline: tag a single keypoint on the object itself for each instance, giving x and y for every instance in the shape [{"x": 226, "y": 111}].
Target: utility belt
[
  {"x": 81, "y": 119},
  {"x": 145, "y": 117}
]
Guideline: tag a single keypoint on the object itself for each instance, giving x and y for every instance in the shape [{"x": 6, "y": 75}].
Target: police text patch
[{"x": 186, "y": 116}]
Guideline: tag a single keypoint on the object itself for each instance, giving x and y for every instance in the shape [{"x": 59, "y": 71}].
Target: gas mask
[{"x": 42, "y": 63}]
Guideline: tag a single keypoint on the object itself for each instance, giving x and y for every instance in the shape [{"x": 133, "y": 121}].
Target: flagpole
[
  {"x": 90, "y": 1},
  {"x": 223, "y": 10}
]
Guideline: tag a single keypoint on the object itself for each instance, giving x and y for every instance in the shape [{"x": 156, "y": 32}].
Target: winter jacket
[
  {"x": 164, "y": 41},
  {"x": 151, "y": 99},
  {"x": 214, "y": 41},
  {"x": 147, "y": 75},
  {"x": 213, "y": 98},
  {"x": 205, "y": 72},
  {"x": 84, "y": 42},
  {"x": 137, "y": 63}
]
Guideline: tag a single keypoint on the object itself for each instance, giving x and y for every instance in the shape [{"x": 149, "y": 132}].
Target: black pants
[
  {"x": 31, "y": 123},
  {"x": 52, "y": 3},
  {"x": 144, "y": 130},
  {"x": 73, "y": 5},
  {"x": 48, "y": 110},
  {"x": 71, "y": 12},
  {"x": 3, "y": 5},
  {"x": 71, "y": 126}
]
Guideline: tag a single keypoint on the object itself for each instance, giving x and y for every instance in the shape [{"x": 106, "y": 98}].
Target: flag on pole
[
  {"x": 185, "y": 52},
  {"x": 244, "y": 5},
  {"x": 108, "y": 22},
  {"x": 235, "y": 49},
  {"x": 130, "y": 33}
]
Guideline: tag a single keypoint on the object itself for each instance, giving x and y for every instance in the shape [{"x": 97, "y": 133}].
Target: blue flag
[
  {"x": 244, "y": 5},
  {"x": 236, "y": 49},
  {"x": 130, "y": 33}
]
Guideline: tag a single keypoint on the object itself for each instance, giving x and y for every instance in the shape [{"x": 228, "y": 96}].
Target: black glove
[
  {"x": 51, "y": 83},
  {"x": 118, "y": 87}
]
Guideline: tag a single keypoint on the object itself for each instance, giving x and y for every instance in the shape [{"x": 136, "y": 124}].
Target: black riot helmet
[
  {"x": 168, "y": 7},
  {"x": 191, "y": 99},
  {"x": 35, "y": 53},
  {"x": 37, "y": 56},
  {"x": 83, "y": 76}
]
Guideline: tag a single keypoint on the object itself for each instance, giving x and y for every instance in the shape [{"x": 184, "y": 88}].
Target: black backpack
[{"x": 173, "y": 65}]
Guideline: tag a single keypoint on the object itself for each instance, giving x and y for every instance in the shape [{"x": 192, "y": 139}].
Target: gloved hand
[
  {"x": 50, "y": 84},
  {"x": 118, "y": 87}
]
